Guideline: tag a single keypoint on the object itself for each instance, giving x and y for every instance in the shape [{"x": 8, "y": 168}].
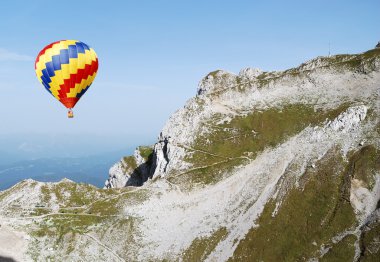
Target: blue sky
[{"x": 152, "y": 55}]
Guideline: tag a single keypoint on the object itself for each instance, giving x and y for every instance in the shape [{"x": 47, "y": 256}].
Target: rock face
[
  {"x": 133, "y": 170},
  {"x": 259, "y": 166},
  {"x": 223, "y": 96}
]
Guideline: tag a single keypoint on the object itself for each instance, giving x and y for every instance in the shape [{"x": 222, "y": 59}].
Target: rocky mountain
[{"x": 259, "y": 166}]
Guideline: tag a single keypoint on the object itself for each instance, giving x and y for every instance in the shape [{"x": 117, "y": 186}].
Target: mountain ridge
[
  {"x": 259, "y": 166},
  {"x": 211, "y": 82}
]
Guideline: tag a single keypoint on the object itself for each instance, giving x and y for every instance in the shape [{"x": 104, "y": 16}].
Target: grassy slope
[
  {"x": 200, "y": 248},
  {"x": 314, "y": 213},
  {"x": 370, "y": 242},
  {"x": 83, "y": 209},
  {"x": 244, "y": 137},
  {"x": 311, "y": 215}
]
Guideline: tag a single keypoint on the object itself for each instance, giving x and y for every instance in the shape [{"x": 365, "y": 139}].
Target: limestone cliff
[
  {"x": 322, "y": 84},
  {"x": 258, "y": 166}
]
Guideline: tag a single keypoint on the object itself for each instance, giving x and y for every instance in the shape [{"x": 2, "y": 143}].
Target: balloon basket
[{"x": 70, "y": 114}]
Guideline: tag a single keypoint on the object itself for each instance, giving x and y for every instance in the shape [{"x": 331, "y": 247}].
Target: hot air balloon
[{"x": 66, "y": 69}]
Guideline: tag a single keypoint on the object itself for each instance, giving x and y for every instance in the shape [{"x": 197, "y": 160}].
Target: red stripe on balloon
[
  {"x": 43, "y": 52},
  {"x": 69, "y": 102},
  {"x": 69, "y": 83}
]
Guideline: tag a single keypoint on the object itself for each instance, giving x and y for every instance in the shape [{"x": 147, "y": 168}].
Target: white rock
[
  {"x": 217, "y": 80},
  {"x": 117, "y": 176},
  {"x": 364, "y": 200},
  {"x": 249, "y": 74}
]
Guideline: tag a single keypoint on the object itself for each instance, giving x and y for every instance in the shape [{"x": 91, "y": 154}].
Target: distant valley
[{"x": 87, "y": 169}]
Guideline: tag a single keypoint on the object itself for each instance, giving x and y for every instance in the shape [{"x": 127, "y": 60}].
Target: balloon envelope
[{"x": 67, "y": 68}]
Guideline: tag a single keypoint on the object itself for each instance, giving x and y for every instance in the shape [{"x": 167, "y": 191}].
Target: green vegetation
[
  {"x": 4, "y": 194},
  {"x": 218, "y": 82},
  {"x": 106, "y": 206},
  {"x": 138, "y": 172},
  {"x": 370, "y": 241},
  {"x": 341, "y": 251},
  {"x": 38, "y": 211},
  {"x": 265, "y": 75},
  {"x": 365, "y": 165},
  {"x": 101, "y": 214},
  {"x": 82, "y": 205},
  {"x": 45, "y": 193},
  {"x": 234, "y": 143},
  {"x": 362, "y": 63},
  {"x": 130, "y": 161},
  {"x": 200, "y": 248},
  {"x": 146, "y": 152},
  {"x": 213, "y": 73},
  {"x": 308, "y": 217},
  {"x": 358, "y": 63},
  {"x": 70, "y": 194},
  {"x": 57, "y": 225},
  {"x": 315, "y": 213},
  {"x": 17, "y": 187}
]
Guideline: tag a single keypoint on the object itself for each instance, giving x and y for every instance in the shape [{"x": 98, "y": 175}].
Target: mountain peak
[{"x": 250, "y": 73}]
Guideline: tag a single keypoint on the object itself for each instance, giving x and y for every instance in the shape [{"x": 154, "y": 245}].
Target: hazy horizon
[{"x": 50, "y": 158}]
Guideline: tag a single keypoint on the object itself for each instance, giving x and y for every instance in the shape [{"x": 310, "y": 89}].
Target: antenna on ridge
[{"x": 329, "y": 50}]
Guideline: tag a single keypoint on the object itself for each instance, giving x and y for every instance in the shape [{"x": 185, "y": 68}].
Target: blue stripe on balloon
[
  {"x": 81, "y": 93},
  {"x": 64, "y": 56},
  {"x": 61, "y": 59},
  {"x": 56, "y": 62},
  {"x": 73, "y": 51},
  {"x": 50, "y": 68},
  {"x": 46, "y": 76},
  {"x": 46, "y": 85},
  {"x": 86, "y": 47},
  {"x": 44, "y": 80},
  {"x": 80, "y": 47}
]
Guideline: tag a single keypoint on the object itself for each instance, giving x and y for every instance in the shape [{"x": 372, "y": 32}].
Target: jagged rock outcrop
[
  {"x": 118, "y": 176},
  {"x": 133, "y": 170},
  {"x": 249, "y": 74},
  {"x": 217, "y": 80}
]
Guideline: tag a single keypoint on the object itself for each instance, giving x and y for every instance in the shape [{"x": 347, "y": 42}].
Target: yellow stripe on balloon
[
  {"x": 41, "y": 61},
  {"x": 87, "y": 82},
  {"x": 67, "y": 69},
  {"x": 50, "y": 52},
  {"x": 81, "y": 86},
  {"x": 58, "y": 78},
  {"x": 39, "y": 73},
  {"x": 93, "y": 57},
  {"x": 55, "y": 50}
]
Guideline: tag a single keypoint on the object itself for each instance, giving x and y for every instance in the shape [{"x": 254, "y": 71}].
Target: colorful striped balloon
[{"x": 67, "y": 68}]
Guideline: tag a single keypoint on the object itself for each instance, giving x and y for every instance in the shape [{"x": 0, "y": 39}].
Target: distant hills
[{"x": 89, "y": 169}]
